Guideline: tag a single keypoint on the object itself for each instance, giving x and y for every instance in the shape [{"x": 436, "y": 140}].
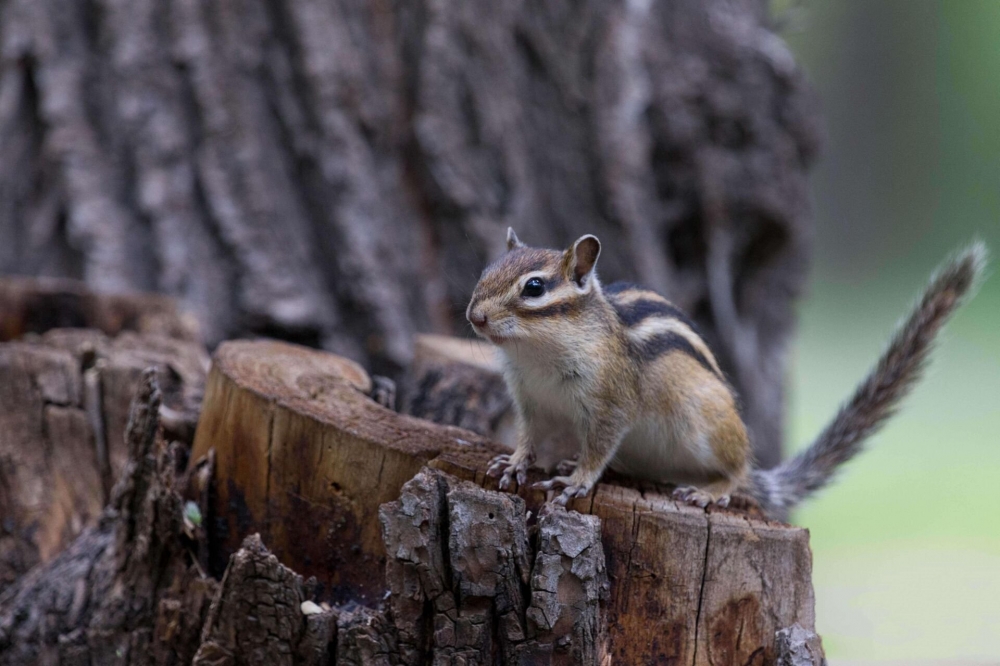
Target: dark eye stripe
[
  {"x": 560, "y": 308},
  {"x": 553, "y": 281}
]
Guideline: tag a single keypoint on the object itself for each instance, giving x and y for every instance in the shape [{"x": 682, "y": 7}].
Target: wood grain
[{"x": 307, "y": 459}]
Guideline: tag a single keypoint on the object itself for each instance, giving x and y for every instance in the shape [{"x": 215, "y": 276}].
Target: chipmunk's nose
[{"x": 478, "y": 318}]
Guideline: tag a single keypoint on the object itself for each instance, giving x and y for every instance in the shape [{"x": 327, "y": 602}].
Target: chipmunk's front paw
[
  {"x": 571, "y": 488},
  {"x": 508, "y": 466},
  {"x": 699, "y": 497}
]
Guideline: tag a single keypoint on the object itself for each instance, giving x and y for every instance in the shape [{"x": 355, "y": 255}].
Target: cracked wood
[{"x": 685, "y": 584}]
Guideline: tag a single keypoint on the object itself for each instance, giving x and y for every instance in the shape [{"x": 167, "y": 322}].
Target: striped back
[{"x": 656, "y": 326}]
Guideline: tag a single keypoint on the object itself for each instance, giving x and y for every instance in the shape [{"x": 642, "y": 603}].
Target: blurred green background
[{"x": 907, "y": 544}]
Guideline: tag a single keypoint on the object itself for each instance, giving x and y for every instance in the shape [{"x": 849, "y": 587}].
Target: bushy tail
[{"x": 877, "y": 397}]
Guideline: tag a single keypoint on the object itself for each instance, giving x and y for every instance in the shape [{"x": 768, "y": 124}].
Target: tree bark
[
  {"x": 299, "y": 445},
  {"x": 64, "y": 400},
  {"x": 124, "y": 591},
  {"x": 337, "y": 173}
]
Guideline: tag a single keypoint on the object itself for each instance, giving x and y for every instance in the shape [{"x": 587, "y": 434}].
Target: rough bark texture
[
  {"x": 461, "y": 570},
  {"x": 128, "y": 591},
  {"x": 123, "y": 592},
  {"x": 64, "y": 401},
  {"x": 460, "y": 573},
  {"x": 338, "y": 173},
  {"x": 799, "y": 647},
  {"x": 471, "y": 575},
  {"x": 299, "y": 447},
  {"x": 257, "y": 613}
]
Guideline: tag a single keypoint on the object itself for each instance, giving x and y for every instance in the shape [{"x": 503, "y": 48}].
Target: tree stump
[
  {"x": 458, "y": 381},
  {"x": 124, "y": 591},
  {"x": 306, "y": 458},
  {"x": 36, "y": 305},
  {"x": 471, "y": 576},
  {"x": 64, "y": 401}
]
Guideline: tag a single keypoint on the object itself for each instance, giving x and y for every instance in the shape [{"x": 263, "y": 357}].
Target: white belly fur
[{"x": 554, "y": 426}]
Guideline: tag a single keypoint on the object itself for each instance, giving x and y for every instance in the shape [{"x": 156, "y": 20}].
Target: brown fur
[
  {"x": 627, "y": 376},
  {"x": 573, "y": 341},
  {"x": 879, "y": 394}
]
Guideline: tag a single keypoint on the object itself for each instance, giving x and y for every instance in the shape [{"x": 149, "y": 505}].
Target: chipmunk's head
[{"x": 531, "y": 294}]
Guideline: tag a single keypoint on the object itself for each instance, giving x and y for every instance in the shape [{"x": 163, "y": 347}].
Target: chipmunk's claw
[
  {"x": 507, "y": 467},
  {"x": 698, "y": 497},
  {"x": 570, "y": 488}
]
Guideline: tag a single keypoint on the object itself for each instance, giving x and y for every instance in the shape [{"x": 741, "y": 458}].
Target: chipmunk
[{"x": 621, "y": 376}]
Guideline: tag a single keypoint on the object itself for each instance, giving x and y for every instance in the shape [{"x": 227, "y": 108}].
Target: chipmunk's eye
[{"x": 533, "y": 288}]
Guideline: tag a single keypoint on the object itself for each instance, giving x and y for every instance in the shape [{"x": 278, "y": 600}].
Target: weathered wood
[
  {"x": 123, "y": 592},
  {"x": 461, "y": 570},
  {"x": 339, "y": 173},
  {"x": 36, "y": 305},
  {"x": 748, "y": 592},
  {"x": 799, "y": 647},
  {"x": 568, "y": 589},
  {"x": 641, "y": 580},
  {"x": 127, "y": 592},
  {"x": 460, "y": 558},
  {"x": 257, "y": 612},
  {"x": 451, "y": 376},
  {"x": 458, "y": 381},
  {"x": 64, "y": 400},
  {"x": 306, "y": 458}
]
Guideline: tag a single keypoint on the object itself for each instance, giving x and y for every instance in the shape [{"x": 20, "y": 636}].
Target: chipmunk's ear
[
  {"x": 512, "y": 240},
  {"x": 581, "y": 259}
]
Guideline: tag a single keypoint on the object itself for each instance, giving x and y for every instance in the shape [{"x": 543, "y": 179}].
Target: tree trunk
[
  {"x": 337, "y": 173},
  {"x": 307, "y": 459}
]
